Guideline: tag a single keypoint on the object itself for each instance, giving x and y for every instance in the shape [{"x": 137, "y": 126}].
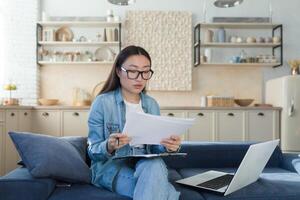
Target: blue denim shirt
[{"x": 107, "y": 115}]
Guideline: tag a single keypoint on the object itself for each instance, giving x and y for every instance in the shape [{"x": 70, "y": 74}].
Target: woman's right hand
[{"x": 116, "y": 141}]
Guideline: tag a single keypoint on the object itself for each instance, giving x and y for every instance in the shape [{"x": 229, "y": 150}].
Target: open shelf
[
  {"x": 79, "y": 23},
  {"x": 76, "y": 43},
  {"x": 75, "y": 63},
  {"x": 238, "y": 45},
  {"x": 240, "y": 25},
  {"x": 277, "y": 48},
  {"x": 241, "y": 64}
]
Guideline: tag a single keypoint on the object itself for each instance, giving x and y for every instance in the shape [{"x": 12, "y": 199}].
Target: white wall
[
  {"x": 285, "y": 12},
  {"x": 18, "y": 47}
]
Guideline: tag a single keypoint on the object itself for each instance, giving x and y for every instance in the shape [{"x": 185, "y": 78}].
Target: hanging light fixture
[
  {"x": 227, "y": 3},
  {"x": 122, "y": 2}
]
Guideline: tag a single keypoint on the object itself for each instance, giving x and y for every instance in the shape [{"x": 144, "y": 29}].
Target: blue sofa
[{"x": 280, "y": 179}]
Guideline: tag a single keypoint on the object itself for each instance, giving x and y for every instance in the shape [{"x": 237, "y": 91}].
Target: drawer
[
  {"x": 231, "y": 126},
  {"x": 177, "y": 114},
  {"x": 75, "y": 123},
  {"x": 46, "y": 122},
  {"x": 2, "y": 114},
  {"x": 261, "y": 125},
  {"x": 203, "y": 129}
]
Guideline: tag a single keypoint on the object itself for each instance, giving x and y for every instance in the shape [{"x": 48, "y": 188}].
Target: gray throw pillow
[{"x": 53, "y": 157}]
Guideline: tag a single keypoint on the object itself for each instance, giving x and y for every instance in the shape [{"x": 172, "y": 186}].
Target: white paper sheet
[{"x": 151, "y": 129}]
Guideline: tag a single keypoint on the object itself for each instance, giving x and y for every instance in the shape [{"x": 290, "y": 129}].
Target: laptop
[{"x": 248, "y": 172}]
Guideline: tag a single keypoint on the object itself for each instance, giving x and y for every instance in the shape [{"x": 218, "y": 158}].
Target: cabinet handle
[
  {"x": 171, "y": 114},
  {"x": 230, "y": 114},
  {"x": 45, "y": 114},
  {"x": 200, "y": 114},
  {"x": 76, "y": 114},
  {"x": 261, "y": 114},
  {"x": 12, "y": 114},
  {"x": 25, "y": 113}
]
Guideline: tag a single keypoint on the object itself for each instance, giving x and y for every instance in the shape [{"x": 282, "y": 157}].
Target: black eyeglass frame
[{"x": 139, "y": 73}]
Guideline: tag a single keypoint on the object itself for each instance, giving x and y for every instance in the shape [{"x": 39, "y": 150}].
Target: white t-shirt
[{"x": 134, "y": 107}]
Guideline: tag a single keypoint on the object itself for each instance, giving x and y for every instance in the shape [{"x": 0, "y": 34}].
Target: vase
[{"x": 221, "y": 35}]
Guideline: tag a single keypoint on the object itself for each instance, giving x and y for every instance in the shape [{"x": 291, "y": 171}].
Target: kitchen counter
[{"x": 65, "y": 107}]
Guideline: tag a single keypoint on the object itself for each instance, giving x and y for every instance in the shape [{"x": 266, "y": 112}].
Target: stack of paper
[{"x": 151, "y": 129}]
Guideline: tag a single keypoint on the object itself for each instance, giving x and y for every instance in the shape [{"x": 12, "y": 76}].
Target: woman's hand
[
  {"x": 172, "y": 143},
  {"x": 116, "y": 141}
]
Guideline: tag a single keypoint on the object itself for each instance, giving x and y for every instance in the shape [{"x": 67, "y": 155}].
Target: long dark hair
[{"x": 113, "y": 81}]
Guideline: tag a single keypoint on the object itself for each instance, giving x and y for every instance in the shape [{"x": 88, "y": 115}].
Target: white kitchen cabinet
[
  {"x": 230, "y": 125},
  {"x": 176, "y": 113},
  {"x": 25, "y": 119},
  {"x": 14, "y": 120},
  {"x": 75, "y": 123},
  {"x": 11, "y": 155},
  {"x": 2, "y": 144},
  {"x": 203, "y": 129},
  {"x": 263, "y": 125},
  {"x": 46, "y": 122}
]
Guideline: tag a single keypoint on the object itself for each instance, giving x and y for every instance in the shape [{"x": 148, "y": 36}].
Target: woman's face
[{"x": 134, "y": 64}]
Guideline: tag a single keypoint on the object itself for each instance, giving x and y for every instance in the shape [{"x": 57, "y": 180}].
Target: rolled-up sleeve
[{"x": 97, "y": 143}]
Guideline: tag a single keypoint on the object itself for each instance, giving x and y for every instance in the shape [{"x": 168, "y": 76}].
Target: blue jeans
[{"x": 148, "y": 181}]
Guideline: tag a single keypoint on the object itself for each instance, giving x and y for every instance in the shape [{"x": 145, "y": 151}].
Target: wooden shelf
[
  {"x": 240, "y": 25},
  {"x": 79, "y": 23},
  {"x": 76, "y": 43},
  {"x": 76, "y": 63},
  {"x": 239, "y": 45},
  {"x": 241, "y": 64}
]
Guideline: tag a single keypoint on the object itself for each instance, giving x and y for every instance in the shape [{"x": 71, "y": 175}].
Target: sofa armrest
[
  {"x": 19, "y": 185},
  {"x": 291, "y": 162}
]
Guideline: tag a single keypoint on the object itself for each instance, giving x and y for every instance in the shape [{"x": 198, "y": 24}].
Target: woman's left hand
[{"x": 172, "y": 143}]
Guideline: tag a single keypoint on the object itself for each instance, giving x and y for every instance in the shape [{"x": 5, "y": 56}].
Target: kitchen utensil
[
  {"x": 243, "y": 102},
  {"x": 64, "y": 34},
  {"x": 48, "y": 102},
  {"x": 208, "y": 36},
  {"x": 269, "y": 40},
  {"x": 104, "y": 54},
  {"x": 239, "y": 40},
  {"x": 260, "y": 40},
  {"x": 276, "y": 39},
  {"x": 233, "y": 39},
  {"x": 10, "y": 102},
  {"x": 263, "y": 105},
  {"x": 250, "y": 40},
  {"x": 208, "y": 54},
  {"x": 81, "y": 97}
]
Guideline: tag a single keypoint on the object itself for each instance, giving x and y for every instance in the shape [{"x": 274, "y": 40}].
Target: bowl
[
  {"x": 243, "y": 102},
  {"x": 48, "y": 102}
]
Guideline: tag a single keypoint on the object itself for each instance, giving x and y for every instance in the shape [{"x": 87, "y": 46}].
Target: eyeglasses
[{"x": 134, "y": 74}]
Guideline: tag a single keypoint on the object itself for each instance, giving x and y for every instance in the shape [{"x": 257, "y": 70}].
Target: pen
[{"x": 117, "y": 141}]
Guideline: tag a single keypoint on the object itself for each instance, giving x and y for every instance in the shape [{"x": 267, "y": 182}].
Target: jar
[{"x": 208, "y": 36}]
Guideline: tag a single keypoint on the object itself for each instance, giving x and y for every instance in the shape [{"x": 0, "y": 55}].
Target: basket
[{"x": 219, "y": 101}]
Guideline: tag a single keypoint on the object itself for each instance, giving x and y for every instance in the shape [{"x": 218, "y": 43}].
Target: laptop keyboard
[{"x": 217, "y": 183}]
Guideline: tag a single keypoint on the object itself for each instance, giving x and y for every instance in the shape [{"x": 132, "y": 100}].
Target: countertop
[{"x": 63, "y": 107}]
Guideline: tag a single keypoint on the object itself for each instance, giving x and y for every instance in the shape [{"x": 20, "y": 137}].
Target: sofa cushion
[
  {"x": 52, "y": 157},
  {"x": 19, "y": 184},
  {"x": 216, "y": 155},
  {"x": 80, "y": 144},
  {"x": 185, "y": 192},
  {"x": 84, "y": 192},
  {"x": 273, "y": 184}
]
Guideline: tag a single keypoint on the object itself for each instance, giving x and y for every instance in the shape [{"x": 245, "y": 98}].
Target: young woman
[{"x": 124, "y": 91}]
